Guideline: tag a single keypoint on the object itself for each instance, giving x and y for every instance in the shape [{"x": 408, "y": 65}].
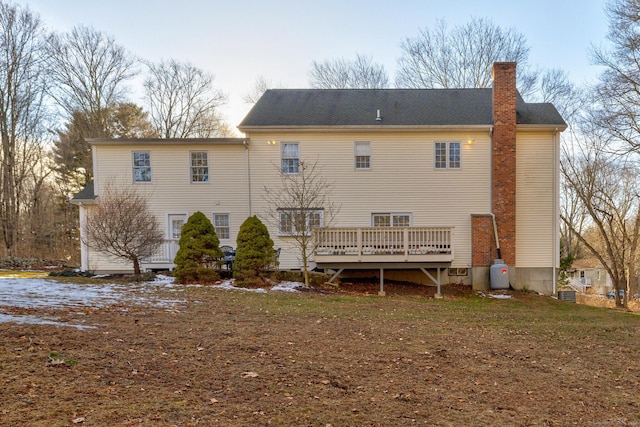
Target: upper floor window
[
  {"x": 299, "y": 221},
  {"x": 290, "y": 157},
  {"x": 221, "y": 224},
  {"x": 390, "y": 219},
  {"x": 362, "y": 151},
  {"x": 447, "y": 155},
  {"x": 141, "y": 166},
  {"x": 199, "y": 166}
]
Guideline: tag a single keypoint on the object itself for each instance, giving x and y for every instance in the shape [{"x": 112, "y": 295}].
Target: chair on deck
[{"x": 229, "y": 256}]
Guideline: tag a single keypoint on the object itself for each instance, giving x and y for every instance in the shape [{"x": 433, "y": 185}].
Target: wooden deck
[{"x": 383, "y": 245}]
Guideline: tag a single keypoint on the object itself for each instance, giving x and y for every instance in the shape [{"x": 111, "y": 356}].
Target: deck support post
[
  {"x": 336, "y": 274},
  {"x": 434, "y": 280},
  {"x": 381, "y": 293}
]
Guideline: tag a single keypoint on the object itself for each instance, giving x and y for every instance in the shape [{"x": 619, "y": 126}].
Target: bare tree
[
  {"x": 608, "y": 190},
  {"x": 22, "y": 111},
  {"x": 299, "y": 204},
  {"x": 89, "y": 71},
  {"x": 361, "y": 73},
  {"x": 618, "y": 91},
  {"x": 122, "y": 225},
  {"x": 182, "y": 101},
  {"x": 555, "y": 87},
  {"x": 260, "y": 86},
  {"x": 461, "y": 57}
]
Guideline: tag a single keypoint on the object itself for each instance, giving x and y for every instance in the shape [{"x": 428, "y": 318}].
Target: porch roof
[{"x": 86, "y": 195}]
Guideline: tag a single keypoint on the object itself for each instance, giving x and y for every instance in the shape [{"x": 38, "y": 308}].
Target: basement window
[{"x": 458, "y": 271}]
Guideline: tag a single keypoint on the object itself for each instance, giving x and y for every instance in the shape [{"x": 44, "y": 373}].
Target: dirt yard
[{"x": 333, "y": 358}]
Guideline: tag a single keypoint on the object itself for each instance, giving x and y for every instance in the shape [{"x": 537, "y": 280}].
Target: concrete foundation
[{"x": 534, "y": 279}]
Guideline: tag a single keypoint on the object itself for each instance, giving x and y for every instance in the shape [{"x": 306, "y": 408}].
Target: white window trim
[
  {"x": 191, "y": 167},
  {"x": 355, "y": 155},
  {"x": 134, "y": 167},
  {"x": 447, "y": 155},
  {"x": 228, "y": 224},
  {"x": 282, "y": 158},
  {"x": 172, "y": 215},
  {"x": 294, "y": 232},
  {"x": 391, "y": 215}
]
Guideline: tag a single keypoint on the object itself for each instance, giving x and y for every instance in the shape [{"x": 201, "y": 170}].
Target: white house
[{"x": 432, "y": 184}]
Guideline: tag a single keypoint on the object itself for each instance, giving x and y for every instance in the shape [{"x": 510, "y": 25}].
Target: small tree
[
  {"x": 254, "y": 253},
  {"x": 122, "y": 225},
  {"x": 300, "y": 203},
  {"x": 199, "y": 251}
]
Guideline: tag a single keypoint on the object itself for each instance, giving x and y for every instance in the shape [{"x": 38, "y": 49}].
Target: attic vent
[{"x": 378, "y": 116}]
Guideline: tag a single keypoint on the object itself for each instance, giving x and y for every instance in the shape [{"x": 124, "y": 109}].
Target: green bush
[
  {"x": 254, "y": 253},
  {"x": 199, "y": 250}
]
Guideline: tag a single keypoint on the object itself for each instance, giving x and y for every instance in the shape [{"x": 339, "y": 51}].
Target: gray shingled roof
[
  {"x": 398, "y": 107},
  {"x": 87, "y": 193}
]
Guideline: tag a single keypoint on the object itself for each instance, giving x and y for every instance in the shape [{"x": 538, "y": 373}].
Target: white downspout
[
  {"x": 246, "y": 147},
  {"x": 495, "y": 233},
  {"x": 84, "y": 250},
  {"x": 556, "y": 180}
]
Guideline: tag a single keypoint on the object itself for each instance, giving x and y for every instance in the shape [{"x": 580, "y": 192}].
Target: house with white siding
[{"x": 433, "y": 185}]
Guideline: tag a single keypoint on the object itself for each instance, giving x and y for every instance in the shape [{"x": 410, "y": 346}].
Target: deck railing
[
  {"x": 165, "y": 254},
  {"x": 390, "y": 244}
]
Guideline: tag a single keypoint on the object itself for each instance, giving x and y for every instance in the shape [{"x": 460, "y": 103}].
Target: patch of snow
[
  {"x": 46, "y": 293},
  {"x": 34, "y": 292},
  {"x": 39, "y": 320},
  {"x": 277, "y": 287},
  {"x": 227, "y": 285},
  {"x": 289, "y": 287},
  {"x": 499, "y": 296}
]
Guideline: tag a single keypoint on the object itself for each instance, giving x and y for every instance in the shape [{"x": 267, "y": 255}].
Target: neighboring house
[
  {"x": 590, "y": 273},
  {"x": 420, "y": 176}
]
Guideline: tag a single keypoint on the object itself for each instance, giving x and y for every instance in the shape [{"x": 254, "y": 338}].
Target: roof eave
[
  {"x": 166, "y": 141},
  {"x": 83, "y": 201},
  {"x": 543, "y": 127},
  {"x": 342, "y": 128}
]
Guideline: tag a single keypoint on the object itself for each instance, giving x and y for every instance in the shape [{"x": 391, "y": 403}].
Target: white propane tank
[{"x": 499, "y": 275}]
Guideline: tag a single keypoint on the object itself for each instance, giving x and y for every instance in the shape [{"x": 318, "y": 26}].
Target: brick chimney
[{"x": 503, "y": 181}]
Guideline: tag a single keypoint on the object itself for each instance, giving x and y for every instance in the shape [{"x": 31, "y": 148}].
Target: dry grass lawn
[{"x": 333, "y": 358}]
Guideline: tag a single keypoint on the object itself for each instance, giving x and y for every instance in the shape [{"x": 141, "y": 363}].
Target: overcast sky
[{"x": 238, "y": 40}]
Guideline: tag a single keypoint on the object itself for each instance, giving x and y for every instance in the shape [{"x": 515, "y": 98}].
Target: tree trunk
[
  {"x": 136, "y": 266},
  {"x": 304, "y": 265},
  {"x": 10, "y": 225}
]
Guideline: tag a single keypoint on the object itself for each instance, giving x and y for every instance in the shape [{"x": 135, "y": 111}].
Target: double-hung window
[
  {"x": 362, "y": 155},
  {"x": 199, "y": 166},
  {"x": 390, "y": 219},
  {"x": 447, "y": 155},
  {"x": 141, "y": 166},
  {"x": 221, "y": 225},
  {"x": 292, "y": 222},
  {"x": 290, "y": 157}
]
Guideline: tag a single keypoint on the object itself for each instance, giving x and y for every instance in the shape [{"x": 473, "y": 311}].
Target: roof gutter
[
  {"x": 165, "y": 141},
  {"x": 343, "y": 128}
]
